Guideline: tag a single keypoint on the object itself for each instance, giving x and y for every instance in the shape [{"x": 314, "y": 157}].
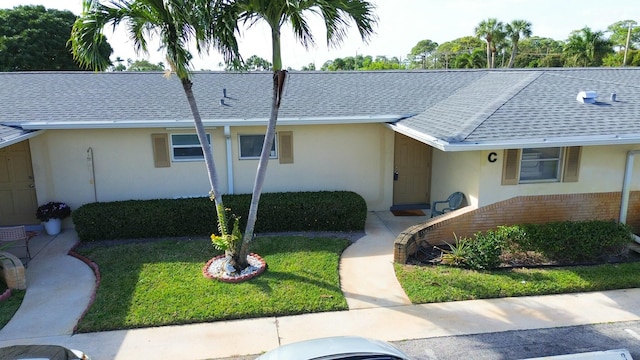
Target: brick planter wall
[{"x": 518, "y": 210}]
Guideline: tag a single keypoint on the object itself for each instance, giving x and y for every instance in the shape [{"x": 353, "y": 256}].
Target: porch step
[{"x": 409, "y": 207}]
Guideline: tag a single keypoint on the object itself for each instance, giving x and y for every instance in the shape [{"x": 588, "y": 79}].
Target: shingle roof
[{"x": 451, "y": 110}]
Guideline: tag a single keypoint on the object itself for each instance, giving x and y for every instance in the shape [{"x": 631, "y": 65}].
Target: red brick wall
[{"x": 518, "y": 210}]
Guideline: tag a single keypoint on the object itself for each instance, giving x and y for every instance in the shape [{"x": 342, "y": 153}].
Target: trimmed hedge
[
  {"x": 278, "y": 212},
  {"x": 564, "y": 242}
]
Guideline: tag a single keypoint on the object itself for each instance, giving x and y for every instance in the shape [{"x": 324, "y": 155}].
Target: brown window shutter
[
  {"x": 161, "y": 156},
  {"x": 511, "y": 167},
  {"x": 571, "y": 169},
  {"x": 285, "y": 147}
]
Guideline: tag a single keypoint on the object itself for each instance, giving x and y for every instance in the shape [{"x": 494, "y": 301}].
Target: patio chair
[
  {"x": 15, "y": 236},
  {"x": 454, "y": 201}
]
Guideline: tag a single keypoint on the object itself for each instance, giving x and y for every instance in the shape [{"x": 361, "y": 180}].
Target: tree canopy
[{"x": 33, "y": 38}]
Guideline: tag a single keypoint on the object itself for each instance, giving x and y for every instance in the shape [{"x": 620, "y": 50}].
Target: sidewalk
[{"x": 377, "y": 309}]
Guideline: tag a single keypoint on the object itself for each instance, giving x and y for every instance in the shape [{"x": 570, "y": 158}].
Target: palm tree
[
  {"x": 491, "y": 30},
  {"x": 514, "y": 31},
  {"x": 277, "y": 13},
  {"x": 175, "y": 24},
  {"x": 587, "y": 48}
]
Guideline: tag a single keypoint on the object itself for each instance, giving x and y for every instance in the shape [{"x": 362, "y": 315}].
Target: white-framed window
[
  {"x": 536, "y": 165},
  {"x": 186, "y": 147},
  {"x": 251, "y": 146},
  {"x": 540, "y": 164}
]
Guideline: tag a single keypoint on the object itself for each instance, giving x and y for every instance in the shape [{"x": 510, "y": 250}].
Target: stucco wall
[
  {"x": 601, "y": 170},
  {"x": 456, "y": 171},
  {"x": 343, "y": 157},
  {"x": 339, "y": 157}
]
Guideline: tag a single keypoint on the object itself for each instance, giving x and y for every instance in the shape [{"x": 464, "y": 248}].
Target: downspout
[
  {"x": 227, "y": 136},
  {"x": 626, "y": 184}
]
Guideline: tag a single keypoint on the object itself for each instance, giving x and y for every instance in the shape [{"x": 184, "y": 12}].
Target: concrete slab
[
  {"x": 367, "y": 276},
  {"x": 59, "y": 288}
]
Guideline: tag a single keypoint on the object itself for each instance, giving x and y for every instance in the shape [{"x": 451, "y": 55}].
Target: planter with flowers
[{"x": 51, "y": 215}]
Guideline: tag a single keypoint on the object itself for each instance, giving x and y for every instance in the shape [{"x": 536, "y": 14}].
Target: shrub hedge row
[
  {"x": 278, "y": 212},
  {"x": 563, "y": 242}
]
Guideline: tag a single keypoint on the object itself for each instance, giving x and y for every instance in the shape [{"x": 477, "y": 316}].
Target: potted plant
[{"x": 51, "y": 215}]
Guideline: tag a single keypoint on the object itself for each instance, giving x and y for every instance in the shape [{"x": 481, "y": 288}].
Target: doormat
[{"x": 416, "y": 212}]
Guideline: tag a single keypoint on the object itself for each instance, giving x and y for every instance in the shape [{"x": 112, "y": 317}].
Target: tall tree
[
  {"x": 33, "y": 38},
  {"x": 277, "y": 13},
  {"x": 176, "y": 25},
  {"x": 514, "y": 30},
  {"x": 423, "y": 49},
  {"x": 492, "y": 31},
  {"x": 586, "y": 47}
]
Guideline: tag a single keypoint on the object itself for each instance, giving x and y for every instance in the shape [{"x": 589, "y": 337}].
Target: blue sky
[{"x": 402, "y": 23}]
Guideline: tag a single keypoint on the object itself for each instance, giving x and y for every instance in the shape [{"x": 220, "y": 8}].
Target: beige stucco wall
[
  {"x": 601, "y": 170},
  {"x": 327, "y": 157},
  {"x": 341, "y": 157},
  {"x": 456, "y": 171}
]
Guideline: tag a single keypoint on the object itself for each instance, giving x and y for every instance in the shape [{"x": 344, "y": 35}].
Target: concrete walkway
[{"x": 59, "y": 289}]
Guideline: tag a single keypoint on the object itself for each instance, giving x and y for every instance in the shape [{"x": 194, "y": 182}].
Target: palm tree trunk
[
  {"x": 215, "y": 194},
  {"x": 488, "y": 54},
  {"x": 512, "y": 58},
  {"x": 279, "y": 78}
]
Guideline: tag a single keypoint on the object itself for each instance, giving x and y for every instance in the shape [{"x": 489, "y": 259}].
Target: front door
[
  {"x": 412, "y": 171},
  {"x": 18, "y": 201}
]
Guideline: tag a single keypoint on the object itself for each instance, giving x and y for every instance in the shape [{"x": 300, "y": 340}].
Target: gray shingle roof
[{"x": 452, "y": 110}]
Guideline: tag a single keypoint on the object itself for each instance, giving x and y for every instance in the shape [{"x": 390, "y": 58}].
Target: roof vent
[
  {"x": 221, "y": 101},
  {"x": 224, "y": 92},
  {"x": 587, "y": 97}
]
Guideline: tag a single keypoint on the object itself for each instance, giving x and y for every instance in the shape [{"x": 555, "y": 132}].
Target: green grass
[
  {"x": 428, "y": 284},
  {"x": 9, "y": 306},
  {"x": 161, "y": 283}
]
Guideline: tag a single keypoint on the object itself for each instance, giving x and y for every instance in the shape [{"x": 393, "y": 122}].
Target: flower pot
[{"x": 53, "y": 226}]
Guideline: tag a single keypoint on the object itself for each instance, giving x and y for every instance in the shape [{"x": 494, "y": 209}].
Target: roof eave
[
  {"x": 440, "y": 144},
  {"x": 188, "y": 123},
  {"x": 4, "y": 142}
]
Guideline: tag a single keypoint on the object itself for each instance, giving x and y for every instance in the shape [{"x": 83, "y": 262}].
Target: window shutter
[
  {"x": 511, "y": 167},
  {"x": 285, "y": 148},
  {"x": 571, "y": 169},
  {"x": 161, "y": 156}
]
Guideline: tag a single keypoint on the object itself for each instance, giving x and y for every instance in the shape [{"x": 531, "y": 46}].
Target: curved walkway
[
  {"x": 60, "y": 286},
  {"x": 367, "y": 276}
]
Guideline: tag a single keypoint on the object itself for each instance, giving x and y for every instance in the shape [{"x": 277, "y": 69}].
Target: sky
[{"x": 401, "y": 25}]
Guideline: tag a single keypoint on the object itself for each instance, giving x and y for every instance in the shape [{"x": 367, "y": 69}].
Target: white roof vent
[{"x": 588, "y": 97}]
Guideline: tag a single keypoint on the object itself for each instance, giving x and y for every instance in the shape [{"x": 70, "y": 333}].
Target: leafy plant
[
  {"x": 458, "y": 254},
  {"x": 485, "y": 250},
  {"x": 53, "y": 210},
  {"x": 229, "y": 241}
]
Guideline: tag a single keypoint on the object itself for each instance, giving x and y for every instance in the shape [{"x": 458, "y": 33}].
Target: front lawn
[
  {"x": 9, "y": 306},
  {"x": 161, "y": 283},
  {"x": 440, "y": 283}
]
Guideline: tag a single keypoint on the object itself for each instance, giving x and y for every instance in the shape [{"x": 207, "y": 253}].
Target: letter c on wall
[{"x": 493, "y": 157}]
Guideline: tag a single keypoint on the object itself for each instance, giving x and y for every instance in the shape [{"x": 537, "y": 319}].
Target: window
[
  {"x": 186, "y": 147},
  {"x": 533, "y": 165},
  {"x": 540, "y": 164},
  {"x": 251, "y": 146}
]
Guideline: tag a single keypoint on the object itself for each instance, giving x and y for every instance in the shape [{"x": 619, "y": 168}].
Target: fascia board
[{"x": 188, "y": 123}]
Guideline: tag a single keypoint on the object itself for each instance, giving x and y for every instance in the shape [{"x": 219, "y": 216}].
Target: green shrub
[
  {"x": 580, "y": 241},
  {"x": 479, "y": 253},
  {"x": 278, "y": 212},
  {"x": 562, "y": 242},
  {"x": 485, "y": 250}
]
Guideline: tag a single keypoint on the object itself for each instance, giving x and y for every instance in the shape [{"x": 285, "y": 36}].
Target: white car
[
  {"x": 333, "y": 348},
  {"x": 41, "y": 352}
]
